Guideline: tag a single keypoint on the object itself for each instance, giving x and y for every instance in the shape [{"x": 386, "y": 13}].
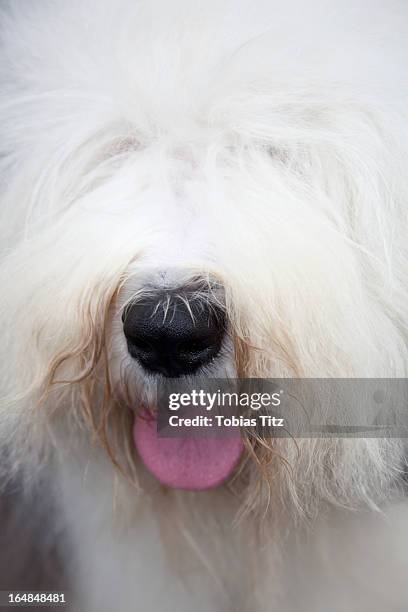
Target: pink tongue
[{"x": 186, "y": 463}]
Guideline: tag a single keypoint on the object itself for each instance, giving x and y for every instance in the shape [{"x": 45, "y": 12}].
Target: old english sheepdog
[{"x": 200, "y": 190}]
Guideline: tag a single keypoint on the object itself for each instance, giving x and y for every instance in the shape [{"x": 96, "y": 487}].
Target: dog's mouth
[
  {"x": 192, "y": 463},
  {"x": 177, "y": 331}
]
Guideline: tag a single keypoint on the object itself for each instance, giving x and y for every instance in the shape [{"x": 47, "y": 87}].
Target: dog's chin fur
[{"x": 262, "y": 144}]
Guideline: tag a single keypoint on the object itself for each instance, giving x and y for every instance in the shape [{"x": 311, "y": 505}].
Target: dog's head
[{"x": 217, "y": 217}]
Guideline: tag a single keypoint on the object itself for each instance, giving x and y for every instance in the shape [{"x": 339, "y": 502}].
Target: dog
[{"x": 200, "y": 190}]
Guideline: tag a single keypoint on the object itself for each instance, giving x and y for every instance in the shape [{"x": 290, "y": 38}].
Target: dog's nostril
[
  {"x": 140, "y": 344},
  {"x": 176, "y": 341}
]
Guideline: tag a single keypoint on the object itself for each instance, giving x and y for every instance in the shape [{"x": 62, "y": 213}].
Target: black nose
[{"x": 175, "y": 338}]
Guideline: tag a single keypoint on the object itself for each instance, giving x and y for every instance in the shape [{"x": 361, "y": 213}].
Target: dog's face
[
  {"x": 234, "y": 222},
  {"x": 241, "y": 271}
]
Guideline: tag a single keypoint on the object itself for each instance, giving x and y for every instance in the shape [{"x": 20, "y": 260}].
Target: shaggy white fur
[{"x": 258, "y": 142}]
